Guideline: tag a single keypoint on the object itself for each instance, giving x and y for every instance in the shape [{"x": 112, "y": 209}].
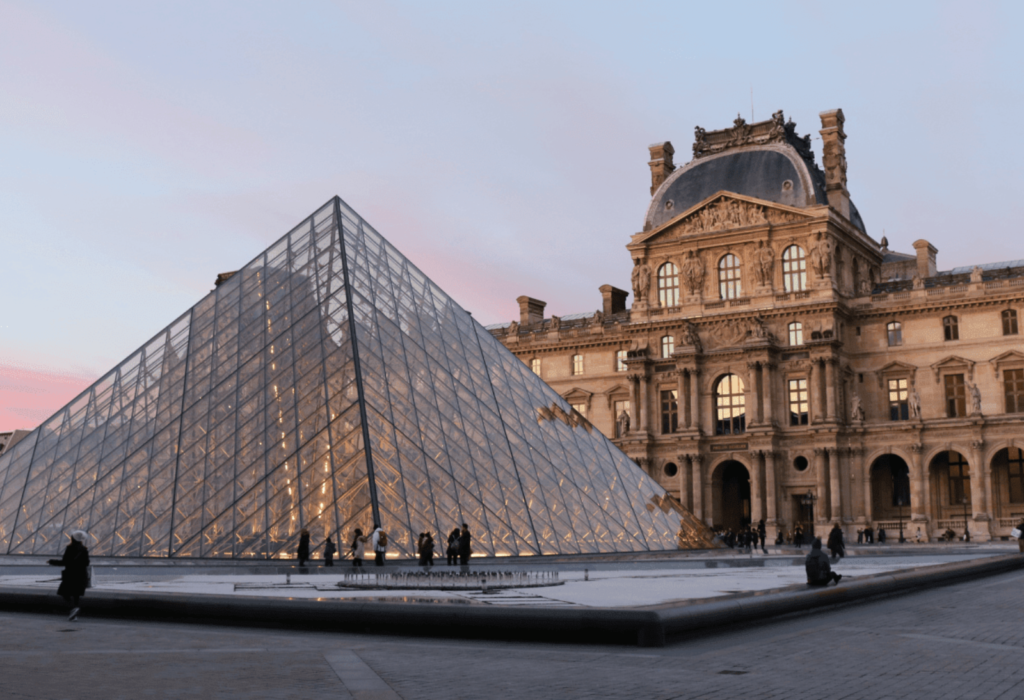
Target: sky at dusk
[{"x": 146, "y": 147}]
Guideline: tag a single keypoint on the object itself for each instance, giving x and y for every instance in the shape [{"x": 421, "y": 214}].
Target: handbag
[{"x": 1015, "y": 533}]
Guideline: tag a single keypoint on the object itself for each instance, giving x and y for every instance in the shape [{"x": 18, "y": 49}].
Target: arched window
[
  {"x": 729, "y": 282},
  {"x": 535, "y": 365},
  {"x": 730, "y": 406},
  {"x": 667, "y": 346},
  {"x": 668, "y": 285},
  {"x": 796, "y": 333},
  {"x": 950, "y": 328},
  {"x": 894, "y": 329},
  {"x": 577, "y": 365},
  {"x": 1009, "y": 322},
  {"x": 794, "y": 269}
]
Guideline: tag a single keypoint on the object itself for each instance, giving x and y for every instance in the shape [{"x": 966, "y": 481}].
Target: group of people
[
  {"x": 868, "y": 536},
  {"x": 746, "y": 538},
  {"x": 458, "y": 547}
]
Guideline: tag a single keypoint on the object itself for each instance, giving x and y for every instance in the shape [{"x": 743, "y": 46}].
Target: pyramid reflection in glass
[{"x": 325, "y": 385}]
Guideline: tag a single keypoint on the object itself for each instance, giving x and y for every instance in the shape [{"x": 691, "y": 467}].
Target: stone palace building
[{"x": 779, "y": 363}]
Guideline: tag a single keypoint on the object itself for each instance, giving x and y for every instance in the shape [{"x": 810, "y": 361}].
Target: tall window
[
  {"x": 895, "y": 332},
  {"x": 667, "y": 346},
  {"x": 580, "y": 408},
  {"x": 956, "y": 396},
  {"x": 798, "y": 413},
  {"x": 899, "y": 408},
  {"x": 1009, "y": 322},
  {"x": 730, "y": 410},
  {"x": 794, "y": 269},
  {"x": 668, "y": 285},
  {"x": 577, "y": 365},
  {"x": 535, "y": 365},
  {"x": 669, "y": 412},
  {"x": 950, "y": 328},
  {"x": 959, "y": 478},
  {"x": 620, "y": 361},
  {"x": 729, "y": 283},
  {"x": 620, "y": 408},
  {"x": 796, "y": 333},
  {"x": 1015, "y": 472},
  {"x": 1013, "y": 388}
]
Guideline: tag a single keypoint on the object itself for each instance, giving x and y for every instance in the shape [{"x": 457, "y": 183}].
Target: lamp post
[
  {"x": 899, "y": 502},
  {"x": 807, "y": 501},
  {"x": 967, "y": 533}
]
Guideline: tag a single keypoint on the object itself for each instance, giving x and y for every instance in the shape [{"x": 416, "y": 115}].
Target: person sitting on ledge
[{"x": 819, "y": 571}]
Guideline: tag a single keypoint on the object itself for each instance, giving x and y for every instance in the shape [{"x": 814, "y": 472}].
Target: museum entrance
[
  {"x": 803, "y": 515},
  {"x": 731, "y": 488}
]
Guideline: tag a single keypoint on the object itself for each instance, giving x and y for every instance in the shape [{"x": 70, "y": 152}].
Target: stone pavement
[{"x": 962, "y": 641}]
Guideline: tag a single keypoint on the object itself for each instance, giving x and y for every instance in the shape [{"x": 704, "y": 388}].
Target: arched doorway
[
  {"x": 1008, "y": 485},
  {"x": 890, "y": 487},
  {"x": 730, "y": 486},
  {"x": 949, "y": 477}
]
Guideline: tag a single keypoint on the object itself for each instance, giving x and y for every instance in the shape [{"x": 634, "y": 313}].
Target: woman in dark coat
[
  {"x": 329, "y": 552},
  {"x": 75, "y": 577},
  {"x": 453, "y": 547},
  {"x": 303, "y": 547},
  {"x": 835, "y": 542},
  {"x": 426, "y": 549},
  {"x": 464, "y": 545}
]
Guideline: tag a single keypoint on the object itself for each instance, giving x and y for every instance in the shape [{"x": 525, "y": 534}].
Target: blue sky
[{"x": 145, "y": 147}]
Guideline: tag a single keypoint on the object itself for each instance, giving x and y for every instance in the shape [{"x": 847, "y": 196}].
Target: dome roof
[{"x": 764, "y": 160}]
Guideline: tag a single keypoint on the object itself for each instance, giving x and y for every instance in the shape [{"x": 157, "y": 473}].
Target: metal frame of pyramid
[{"x": 326, "y": 385}]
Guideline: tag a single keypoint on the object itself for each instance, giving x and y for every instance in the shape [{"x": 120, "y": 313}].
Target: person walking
[
  {"x": 380, "y": 544},
  {"x": 329, "y": 551},
  {"x": 75, "y": 577},
  {"x": 358, "y": 548},
  {"x": 464, "y": 546},
  {"x": 426, "y": 549},
  {"x": 835, "y": 543},
  {"x": 303, "y": 551},
  {"x": 453, "y": 547},
  {"x": 819, "y": 571},
  {"x": 762, "y": 533},
  {"x": 881, "y": 535}
]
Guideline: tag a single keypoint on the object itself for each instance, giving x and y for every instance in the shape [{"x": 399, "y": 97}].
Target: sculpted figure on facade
[
  {"x": 623, "y": 423},
  {"x": 976, "y": 274},
  {"x": 691, "y": 337},
  {"x": 856, "y": 409},
  {"x": 917, "y": 282},
  {"x": 700, "y": 142},
  {"x": 975, "y": 394},
  {"x": 914, "y": 402},
  {"x": 556, "y": 323},
  {"x": 598, "y": 318},
  {"x": 641, "y": 278},
  {"x": 764, "y": 264},
  {"x": 693, "y": 273},
  {"x": 759, "y": 328},
  {"x": 821, "y": 255},
  {"x": 513, "y": 328}
]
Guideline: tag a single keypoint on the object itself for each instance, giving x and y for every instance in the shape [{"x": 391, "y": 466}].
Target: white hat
[{"x": 79, "y": 535}]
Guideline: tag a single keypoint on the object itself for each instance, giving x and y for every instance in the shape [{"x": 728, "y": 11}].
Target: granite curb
[{"x": 644, "y": 626}]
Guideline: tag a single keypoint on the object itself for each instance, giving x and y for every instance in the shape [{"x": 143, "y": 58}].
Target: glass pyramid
[{"x": 326, "y": 385}]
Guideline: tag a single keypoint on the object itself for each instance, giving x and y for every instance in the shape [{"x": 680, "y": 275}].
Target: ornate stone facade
[{"x": 778, "y": 363}]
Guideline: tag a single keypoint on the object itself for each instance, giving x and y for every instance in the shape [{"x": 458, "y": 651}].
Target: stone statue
[
  {"x": 641, "y": 279},
  {"x": 556, "y": 323},
  {"x": 700, "y": 142},
  {"x": 623, "y": 422},
  {"x": 764, "y": 264},
  {"x": 914, "y": 402},
  {"x": 976, "y": 274},
  {"x": 778, "y": 131},
  {"x": 693, "y": 273},
  {"x": 598, "y": 318},
  {"x": 821, "y": 255},
  {"x": 691, "y": 338},
  {"x": 975, "y": 393},
  {"x": 513, "y": 328},
  {"x": 759, "y": 328},
  {"x": 865, "y": 288},
  {"x": 918, "y": 282},
  {"x": 856, "y": 409}
]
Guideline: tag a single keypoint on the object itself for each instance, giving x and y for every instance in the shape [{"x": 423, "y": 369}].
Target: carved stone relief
[{"x": 726, "y": 213}]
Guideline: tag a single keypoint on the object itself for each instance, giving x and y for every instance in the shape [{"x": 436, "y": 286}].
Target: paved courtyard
[{"x": 962, "y": 641}]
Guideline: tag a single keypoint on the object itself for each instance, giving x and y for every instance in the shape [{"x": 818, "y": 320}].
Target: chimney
[
  {"x": 614, "y": 300},
  {"x": 925, "y": 258},
  {"x": 531, "y": 311},
  {"x": 833, "y": 140},
  {"x": 661, "y": 163}
]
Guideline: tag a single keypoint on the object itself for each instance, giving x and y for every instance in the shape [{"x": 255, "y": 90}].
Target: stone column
[
  {"x": 979, "y": 505},
  {"x": 821, "y": 484},
  {"x": 835, "y": 486},
  {"x": 767, "y": 374},
  {"x": 986, "y": 471},
  {"x": 865, "y": 469},
  {"x": 752, "y": 395},
  {"x": 634, "y": 398},
  {"x": 645, "y": 412},
  {"x": 770, "y": 488},
  {"x": 695, "y": 399},
  {"x": 830, "y": 389},
  {"x": 681, "y": 399},
  {"x": 917, "y": 504},
  {"x": 685, "y": 482},
  {"x": 857, "y": 505},
  {"x": 756, "y": 512},
  {"x": 814, "y": 388},
  {"x": 697, "y": 484}
]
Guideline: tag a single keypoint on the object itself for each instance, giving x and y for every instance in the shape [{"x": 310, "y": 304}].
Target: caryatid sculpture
[
  {"x": 693, "y": 273},
  {"x": 764, "y": 264},
  {"x": 641, "y": 279},
  {"x": 821, "y": 255}
]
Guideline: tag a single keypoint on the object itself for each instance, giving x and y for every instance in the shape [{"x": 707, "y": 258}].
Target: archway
[
  {"x": 1008, "y": 485},
  {"x": 890, "y": 487},
  {"x": 949, "y": 478},
  {"x": 730, "y": 486}
]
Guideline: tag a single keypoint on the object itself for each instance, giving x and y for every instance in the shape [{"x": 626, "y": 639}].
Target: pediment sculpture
[{"x": 727, "y": 213}]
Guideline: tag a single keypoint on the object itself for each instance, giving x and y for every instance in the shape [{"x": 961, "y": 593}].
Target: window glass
[
  {"x": 668, "y": 285},
  {"x": 669, "y": 412},
  {"x": 730, "y": 406},
  {"x": 950, "y": 329},
  {"x": 620, "y": 361},
  {"x": 895, "y": 332},
  {"x": 796, "y": 333},
  {"x": 535, "y": 365},
  {"x": 1013, "y": 387},
  {"x": 729, "y": 282},
  {"x": 959, "y": 478},
  {"x": 798, "y": 403},
  {"x": 577, "y": 365},
  {"x": 794, "y": 269},
  {"x": 899, "y": 408},
  {"x": 1009, "y": 322},
  {"x": 580, "y": 408},
  {"x": 956, "y": 396},
  {"x": 1015, "y": 471},
  {"x": 667, "y": 346}
]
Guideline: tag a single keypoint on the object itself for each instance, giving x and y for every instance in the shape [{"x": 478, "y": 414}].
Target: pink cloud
[{"x": 28, "y": 396}]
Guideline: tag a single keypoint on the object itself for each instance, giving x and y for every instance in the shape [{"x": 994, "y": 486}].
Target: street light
[
  {"x": 899, "y": 502},
  {"x": 967, "y": 534}
]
